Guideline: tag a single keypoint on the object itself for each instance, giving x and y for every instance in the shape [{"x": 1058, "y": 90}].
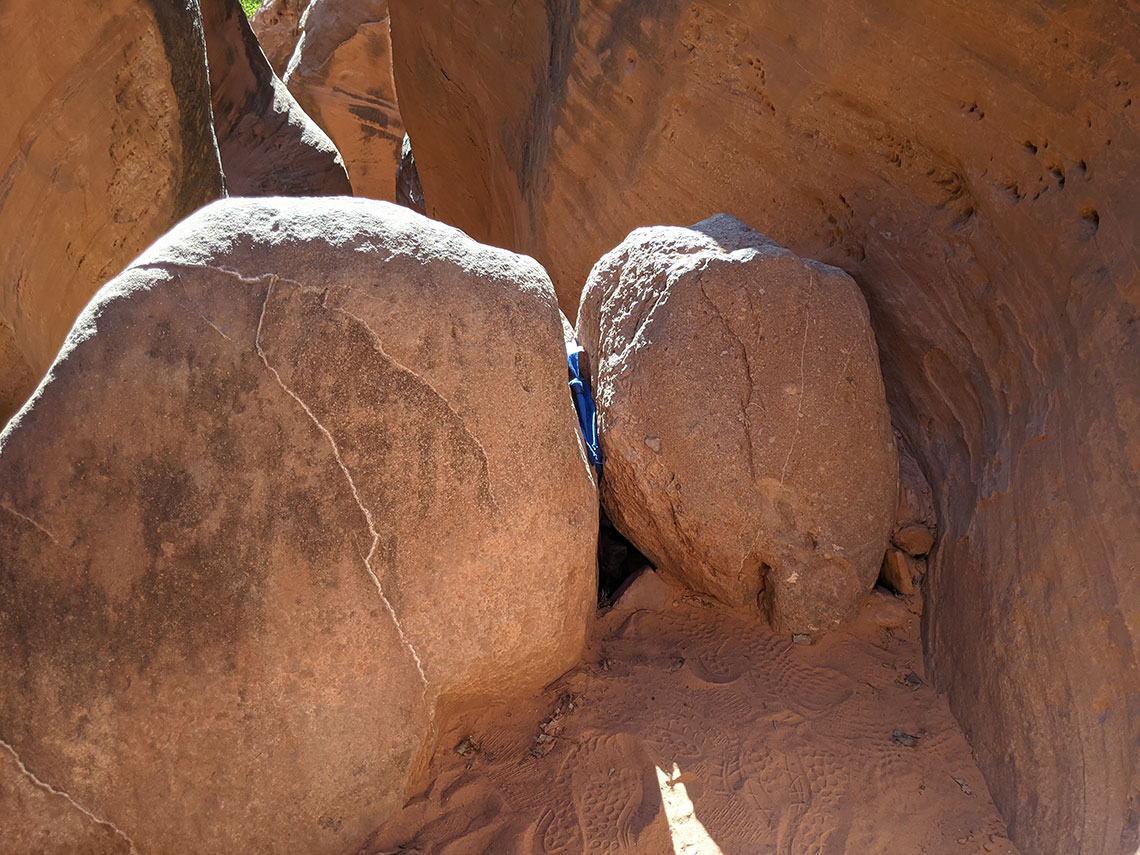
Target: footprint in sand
[
  {"x": 559, "y": 830},
  {"x": 615, "y": 800}
]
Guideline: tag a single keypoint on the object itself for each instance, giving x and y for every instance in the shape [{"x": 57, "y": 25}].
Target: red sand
[{"x": 697, "y": 730}]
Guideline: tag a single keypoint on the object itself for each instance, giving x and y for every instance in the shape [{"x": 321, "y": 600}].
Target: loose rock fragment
[{"x": 898, "y": 572}]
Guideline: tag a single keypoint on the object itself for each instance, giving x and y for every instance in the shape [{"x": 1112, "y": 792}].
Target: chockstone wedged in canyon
[
  {"x": 747, "y": 444},
  {"x": 304, "y": 477}
]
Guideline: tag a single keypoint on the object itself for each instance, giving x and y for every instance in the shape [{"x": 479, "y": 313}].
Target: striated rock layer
[
  {"x": 105, "y": 142},
  {"x": 256, "y": 527},
  {"x": 746, "y": 437},
  {"x": 269, "y": 147},
  {"x": 341, "y": 73},
  {"x": 975, "y": 169}
]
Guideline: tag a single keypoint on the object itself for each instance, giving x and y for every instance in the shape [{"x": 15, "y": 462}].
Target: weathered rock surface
[
  {"x": 34, "y": 820},
  {"x": 277, "y": 24},
  {"x": 341, "y": 73},
  {"x": 105, "y": 142},
  {"x": 269, "y": 147},
  {"x": 17, "y": 380},
  {"x": 746, "y": 439},
  {"x": 916, "y": 499},
  {"x": 974, "y": 168},
  {"x": 256, "y": 527}
]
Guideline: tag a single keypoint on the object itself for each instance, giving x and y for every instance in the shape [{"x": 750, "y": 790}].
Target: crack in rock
[
  {"x": 803, "y": 378},
  {"x": 747, "y": 403},
  {"x": 30, "y": 522},
  {"x": 373, "y": 533},
  {"x": 49, "y": 788}
]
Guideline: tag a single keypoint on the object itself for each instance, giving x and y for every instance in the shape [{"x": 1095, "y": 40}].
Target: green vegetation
[{"x": 250, "y": 6}]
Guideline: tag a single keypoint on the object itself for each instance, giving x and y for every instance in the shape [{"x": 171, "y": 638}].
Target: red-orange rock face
[
  {"x": 975, "y": 169},
  {"x": 105, "y": 142},
  {"x": 341, "y": 73}
]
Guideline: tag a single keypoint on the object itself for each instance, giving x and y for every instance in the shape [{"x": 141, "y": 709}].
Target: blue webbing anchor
[{"x": 584, "y": 404}]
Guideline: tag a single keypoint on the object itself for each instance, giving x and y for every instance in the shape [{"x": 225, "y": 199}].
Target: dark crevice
[{"x": 618, "y": 559}]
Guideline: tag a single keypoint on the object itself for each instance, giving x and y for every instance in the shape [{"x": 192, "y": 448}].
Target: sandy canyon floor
[{"x": 691, "y": 729}]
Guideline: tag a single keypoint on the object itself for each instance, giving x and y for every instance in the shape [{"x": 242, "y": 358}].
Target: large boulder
[
  {"x": 973, "y": 167},
  {"x": 747, "y": 445},
  {"x": 269, "y": 147},
  {"x": 304, "y": 473},
  {"x": 341, "y": 73},
  {"x": 106, "y": 141}
]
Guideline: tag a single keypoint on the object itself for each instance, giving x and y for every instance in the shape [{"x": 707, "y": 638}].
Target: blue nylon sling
[{"x": 584, "y": 406}]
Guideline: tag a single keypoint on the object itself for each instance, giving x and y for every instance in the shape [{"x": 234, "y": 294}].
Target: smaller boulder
[{"x": 748, "y": 447}]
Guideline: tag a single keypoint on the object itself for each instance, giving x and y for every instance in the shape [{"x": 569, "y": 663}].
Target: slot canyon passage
[{"x": 300, "y": 545}]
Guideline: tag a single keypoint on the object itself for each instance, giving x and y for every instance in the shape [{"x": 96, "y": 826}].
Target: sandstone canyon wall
[
  {"x": 268, "y": 145},
  {"x": 975, "y": 169},
  {"x": 105, "y": 142},
  {"x": 341, "y": 73}
]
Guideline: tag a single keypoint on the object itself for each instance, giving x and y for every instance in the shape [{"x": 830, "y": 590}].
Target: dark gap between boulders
[{"x": 618, "y": 559}]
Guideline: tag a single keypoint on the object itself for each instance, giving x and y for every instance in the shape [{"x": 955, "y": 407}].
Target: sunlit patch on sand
[{"x": 689, "y": 835}]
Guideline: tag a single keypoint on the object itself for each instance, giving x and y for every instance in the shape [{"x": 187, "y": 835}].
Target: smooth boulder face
[
  {"x": 747, "y": 445},
  {"x": 341, "y": 73},
  {"x": 973, "y": 167},
  {"x": 257, "y": 527},
  {"x": 105, "y": 142},
  {"x": 269, "y": 147}
]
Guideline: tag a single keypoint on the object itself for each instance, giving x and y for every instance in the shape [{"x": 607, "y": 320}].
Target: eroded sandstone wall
[
  {"x": 341, "y": 74},
  {"x": 975, "y": 168},
  {"x": 105, "y": 142},
  {"x": 268, "y": 145}
]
